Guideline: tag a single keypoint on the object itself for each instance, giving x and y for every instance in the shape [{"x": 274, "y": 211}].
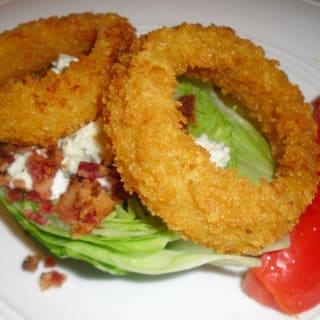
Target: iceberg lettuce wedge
[
  {"x": 124, "y": 242},
  {"x": 130, "y": 239}
]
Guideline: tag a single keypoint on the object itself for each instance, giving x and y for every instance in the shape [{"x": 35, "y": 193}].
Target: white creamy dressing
[
  {"x": 18, "y": 170},
  {"x": 59, "y": 185},
  {"x": 62, "y": 63},
  {"x": 81, "y": 146},
  {"x": 219, "y": 152}
]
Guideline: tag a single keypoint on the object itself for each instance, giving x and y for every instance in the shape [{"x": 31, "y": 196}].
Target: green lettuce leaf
[
  {"x": 128, "y": 240},
  {"x": 250, "y": 153}
]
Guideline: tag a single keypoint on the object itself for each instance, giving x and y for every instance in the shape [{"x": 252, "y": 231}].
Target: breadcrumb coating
[
  {"x": 38, "y": 106},
  {"x": 172, "y": 175}
]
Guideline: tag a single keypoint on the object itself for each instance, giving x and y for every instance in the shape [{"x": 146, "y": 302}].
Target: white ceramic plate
[{"x": 289, "y": 31}]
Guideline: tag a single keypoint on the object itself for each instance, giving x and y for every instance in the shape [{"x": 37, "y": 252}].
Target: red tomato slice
[
  {"x": 289, "y": 280},
  {"x": 255, "y": 289}
]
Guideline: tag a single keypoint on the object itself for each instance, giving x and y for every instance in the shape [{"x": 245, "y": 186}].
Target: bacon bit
[
  {"x": 118, "y": 194},
  {"x": 33, "y": 196},
  {"x": 48, "y": 279},
  {"x": 89, "y": 218},
  {"x": 91, "y": 170},
  {"x": 51, "y": 279},
  {"x": 19, "y": 184},
  {"x": 31, "y": 263},
  {"x": 84, "y": 205},
  {"x": 5, "y": 162},
  {"x": 36, "y": 217},
  {"x": 37, "y": 168},
  {"x": 14, "y": 195},
  {"x": 44, "y": 188},
  {"x": 4, "y": 165},
  {"x": 49, "y": 262},
  {"x": 43, "y": 169},
  {"x": 187, "y": 108},
  {"x": 5, "y": 180},
  {"x": 47, "y": 207},
  {"x": 6, "y": 156},
  {"x": 9, "y": 158},
  {"x": 66, "y": 205}
]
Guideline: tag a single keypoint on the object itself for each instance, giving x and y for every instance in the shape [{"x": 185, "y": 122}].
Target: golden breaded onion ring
[
  {"x": 173, "y": 176},
  {"x": 41, "y": 109}
]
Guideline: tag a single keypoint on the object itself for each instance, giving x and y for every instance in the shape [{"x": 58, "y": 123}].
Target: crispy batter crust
[
  {"x": 173, "y": 176},
  {"x": 40, "y": 109}
]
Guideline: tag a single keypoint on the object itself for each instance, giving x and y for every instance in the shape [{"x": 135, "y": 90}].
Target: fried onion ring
[
  {"x": 39, "y": 109},
  {"x": 173, "y": 176}
]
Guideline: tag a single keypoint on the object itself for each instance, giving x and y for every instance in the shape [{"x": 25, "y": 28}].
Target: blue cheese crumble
[{"x": 219, "y": 152}]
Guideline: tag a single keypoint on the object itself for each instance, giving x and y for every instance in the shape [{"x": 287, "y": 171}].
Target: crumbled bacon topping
[
  {"x": 32, "y": 196},
  {"x": 36, "y": 217},
  {"x": 7, "y": 151},
  {"x": 91, "y": 170},
  {"x": 19, "y": 184},
  {"x": 187, "y": 108},
  {"x": 91, "y": 195},
  {"x": 118, "y": 194},
  {"x": 84, "y": 205},
  {"x": 48, "y": 279},
  {"x": 14, "y": 195},
  {"x": 42, "y": 168},
  {"x": 7, "y": 157},
  {"x": 31, "y": 263},
  {"x": 51, "y": 279},
  {"x": 5, "y": 161},
  {"x": 49, "y": 262},
  {"x": 5, "y": 180},
  {"x": 46, "y": 206}
]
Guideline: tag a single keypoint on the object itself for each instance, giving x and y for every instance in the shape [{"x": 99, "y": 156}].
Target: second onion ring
[
  {"x": 173, "y": 176},
  {"x": 39, "y": 107}
]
